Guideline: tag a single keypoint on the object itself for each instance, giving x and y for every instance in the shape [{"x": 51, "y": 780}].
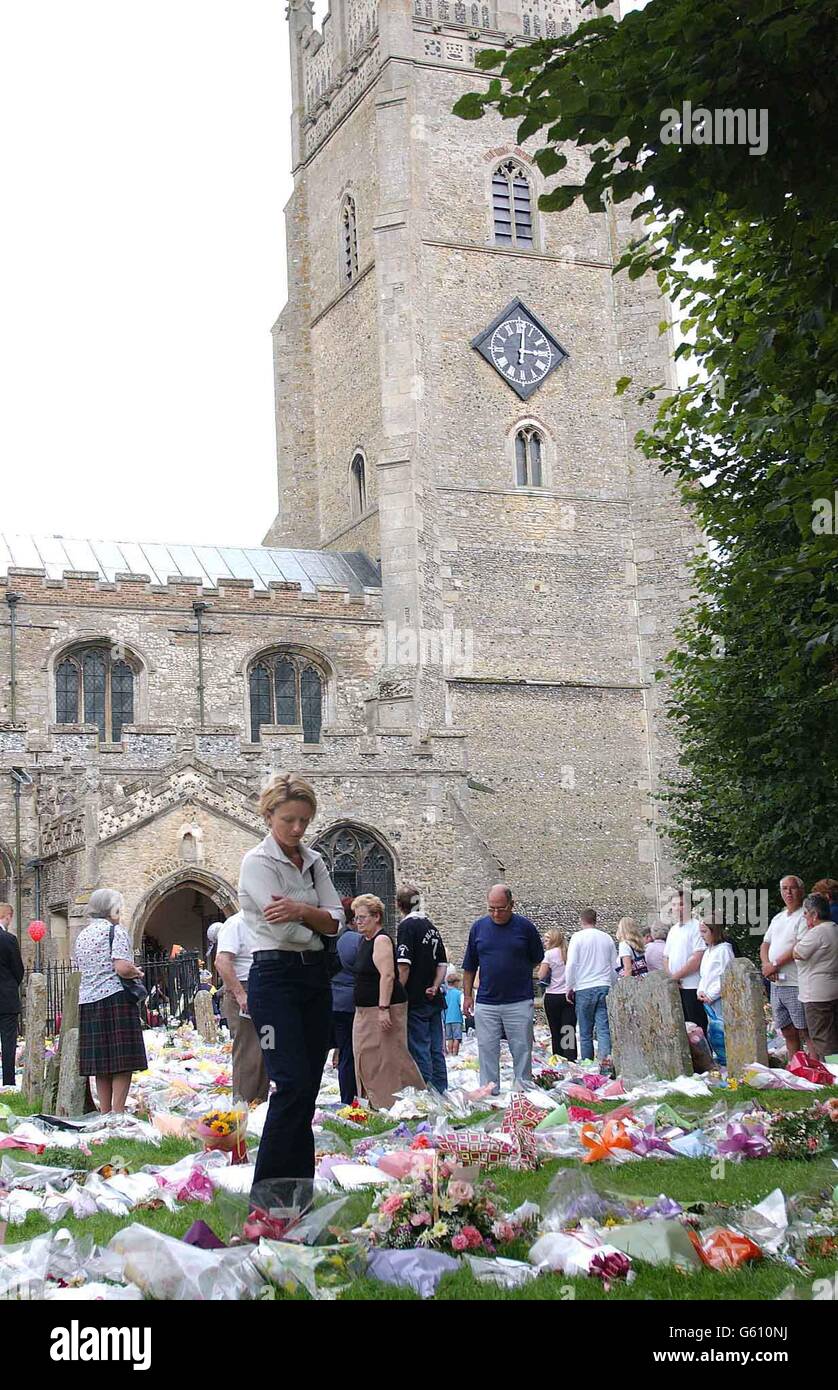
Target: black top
[
  {"x": 11, "y": 973},
  {"x": 421, "y": 947},
  {"x": 367, "y": 978}
]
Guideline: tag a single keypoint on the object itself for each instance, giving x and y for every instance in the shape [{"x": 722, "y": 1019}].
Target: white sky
[{"x": 144, "y": 166}]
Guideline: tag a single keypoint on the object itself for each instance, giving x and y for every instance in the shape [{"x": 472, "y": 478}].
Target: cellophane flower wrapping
[
  {"x": 323, "y": 1270},
  {"x": 447, "y": 1210}
]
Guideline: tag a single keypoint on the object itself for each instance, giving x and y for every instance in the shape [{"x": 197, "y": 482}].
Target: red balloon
[{"x": 37, "y": 930}]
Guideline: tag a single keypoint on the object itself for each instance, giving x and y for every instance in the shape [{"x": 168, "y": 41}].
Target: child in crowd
[{"x": 453, "y": 1014}]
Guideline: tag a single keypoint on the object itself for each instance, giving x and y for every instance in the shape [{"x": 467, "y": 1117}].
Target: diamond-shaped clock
[{"x": 518, "y": 345}]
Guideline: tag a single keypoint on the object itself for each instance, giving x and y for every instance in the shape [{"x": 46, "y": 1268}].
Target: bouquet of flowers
[
  {"x": 354, "y": 1114},
  {"x": 547, "y": 1079},
  {"x": 442, "y": 1210},
  {"x": 224, "y": 1130},
  {"x": 799, "y": 1133}
]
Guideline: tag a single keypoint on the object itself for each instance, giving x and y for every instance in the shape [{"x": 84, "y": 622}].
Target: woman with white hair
[{"x": 111, "y": 1044}]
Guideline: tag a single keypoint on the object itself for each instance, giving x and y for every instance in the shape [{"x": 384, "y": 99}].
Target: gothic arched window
[
  {"x": 286, "y": 688},
  {"x": 529, "y": 457},
  {"x": 348, "y": 241},
  {"x": 92, "y": 687},
  {"x": 512, "y": 206},
  {"x": 358, "y": 485},
  {"x": 358, "y": 863}
]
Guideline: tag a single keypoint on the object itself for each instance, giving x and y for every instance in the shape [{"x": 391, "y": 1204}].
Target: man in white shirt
[
  {"x": 779, "y": 967},
  {"x": 233, "y": 959},
  {"x": 682, "y": 958},
  {"x": 590, "y": 971}
]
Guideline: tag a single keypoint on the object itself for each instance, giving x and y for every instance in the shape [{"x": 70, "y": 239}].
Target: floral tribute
[
  {"x": 443, "y": 1210},
  {"x": 800, "y": 1133},
  {"x": 354, "y": 1114},
  {"x": 225, "y": 1130},
  {"x": 547, "y": 1079}
]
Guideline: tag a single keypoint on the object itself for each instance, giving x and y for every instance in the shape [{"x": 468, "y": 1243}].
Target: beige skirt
[{"x": 383, "y": 1064}]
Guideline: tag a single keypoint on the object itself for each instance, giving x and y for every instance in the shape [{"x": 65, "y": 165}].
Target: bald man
[{"x": 505, "y": 948}]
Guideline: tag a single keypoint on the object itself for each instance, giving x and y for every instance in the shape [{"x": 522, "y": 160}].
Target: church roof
[{"x": 204, "y": 563}]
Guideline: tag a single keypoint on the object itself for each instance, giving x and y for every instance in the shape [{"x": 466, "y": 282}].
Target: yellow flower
[{"x": 439, "y": 1230}]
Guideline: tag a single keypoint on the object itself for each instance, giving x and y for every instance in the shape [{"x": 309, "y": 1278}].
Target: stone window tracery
[
  {"x": 94, "y": 687},
  {"x": 286, "y": 688},
  {"x": 529, "y": 457}
]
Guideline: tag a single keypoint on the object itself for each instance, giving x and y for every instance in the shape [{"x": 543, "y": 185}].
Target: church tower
[{"x": 445, "y": 391}]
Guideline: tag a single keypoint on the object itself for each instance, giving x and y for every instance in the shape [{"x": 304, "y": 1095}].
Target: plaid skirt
[{"x": 110, "y": 1037}]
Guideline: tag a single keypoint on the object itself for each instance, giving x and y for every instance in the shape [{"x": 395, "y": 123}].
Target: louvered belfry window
[
  {"x": 529, "y": 450},
  {"x": 348, "y": 241},
  {"x": 512, "y": 206}
]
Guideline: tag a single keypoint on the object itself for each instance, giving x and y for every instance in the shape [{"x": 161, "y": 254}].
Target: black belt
[{"x": 305, "y": 957}]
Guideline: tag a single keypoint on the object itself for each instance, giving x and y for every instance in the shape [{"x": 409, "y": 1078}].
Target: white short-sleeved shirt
[
  {"x": 94, "y": 958},
  {"x": 267, "y": 871},
  {"x": 782, "y": 935},
  {"x": 233, "y": 939},
  {"x": 683, "y": 940}
]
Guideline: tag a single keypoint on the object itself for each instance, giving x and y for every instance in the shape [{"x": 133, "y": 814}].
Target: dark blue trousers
[
  {"x": 290, "y": 1002},
  {"x": 342, "y": 1025}
]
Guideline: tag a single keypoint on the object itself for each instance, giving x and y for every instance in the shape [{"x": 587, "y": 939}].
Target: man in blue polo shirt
[{"x": 504, "y": 948}]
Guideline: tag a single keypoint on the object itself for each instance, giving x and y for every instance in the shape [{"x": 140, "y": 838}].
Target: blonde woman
[
  {"x": 631, "y": 949},
  {"x": 561, "y": 1015},
  {"x": 289, "y": 904},
  {"x": 383, "y": 1064}
]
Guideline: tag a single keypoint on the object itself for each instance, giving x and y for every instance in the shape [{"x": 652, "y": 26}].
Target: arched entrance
[
  {"x": 179, "y": 910},
  {"x": 360, "y": 863}
]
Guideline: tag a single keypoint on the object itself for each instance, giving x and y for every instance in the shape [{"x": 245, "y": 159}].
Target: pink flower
[
  {"x": 472, "y": 1235},
  {"x": 504, "y": 1230},
  {"x": 391, "y": 1204},
  {"x": 421, "y": 1218},
  {"x": 460, "y": 1192},
  {"x": 459, "y": 1242}
]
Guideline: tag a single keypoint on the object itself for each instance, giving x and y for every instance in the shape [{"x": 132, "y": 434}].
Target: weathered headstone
[
  {"x": 743, "y": 1006},
  {"x": 648, "y": 1037},
  {"x": 49, "y": 1097},
  {"x": 73, "y": 1090},
  {"x": 34, "y": 1046},
  {"x": 204, "y": 1016}
]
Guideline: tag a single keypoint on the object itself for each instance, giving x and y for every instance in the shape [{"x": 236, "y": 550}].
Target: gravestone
[
  {"x": 49, "y": 1098},
  {"x": 72, "y": 1092},
  {"x": 648, "y": 1037},
  {"x": 743, "y": 1006},
  {"x": 204, "y": 1016},
  {"x": 34, "y": 1046}
]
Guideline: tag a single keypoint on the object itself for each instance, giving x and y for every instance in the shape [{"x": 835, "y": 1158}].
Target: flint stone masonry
[
  {"x": 34, "y": 1044},
  {"x": 743, "y": 1005},
  {"x": 647, "y": 1028}
]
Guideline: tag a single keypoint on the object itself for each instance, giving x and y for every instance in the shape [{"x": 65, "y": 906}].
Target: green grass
[{"x": 686, "y": 1180}]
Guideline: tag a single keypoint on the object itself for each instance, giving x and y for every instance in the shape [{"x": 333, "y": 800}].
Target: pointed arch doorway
[
  {"x": 179, "y": 909},
  {"x": 359, "y": 862}
]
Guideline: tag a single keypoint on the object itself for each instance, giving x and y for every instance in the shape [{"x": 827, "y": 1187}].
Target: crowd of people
[{"x": 304, "y": 971}]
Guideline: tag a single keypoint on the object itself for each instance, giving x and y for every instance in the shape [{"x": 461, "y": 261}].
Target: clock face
[{"x": 520, "y": 348}]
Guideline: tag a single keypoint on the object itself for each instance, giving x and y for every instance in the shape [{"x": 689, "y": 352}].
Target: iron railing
[{"x": 171, "y": 984}]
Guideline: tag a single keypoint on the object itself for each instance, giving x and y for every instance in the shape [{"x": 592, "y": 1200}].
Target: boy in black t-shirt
[{"x": 422, "y": 965}]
